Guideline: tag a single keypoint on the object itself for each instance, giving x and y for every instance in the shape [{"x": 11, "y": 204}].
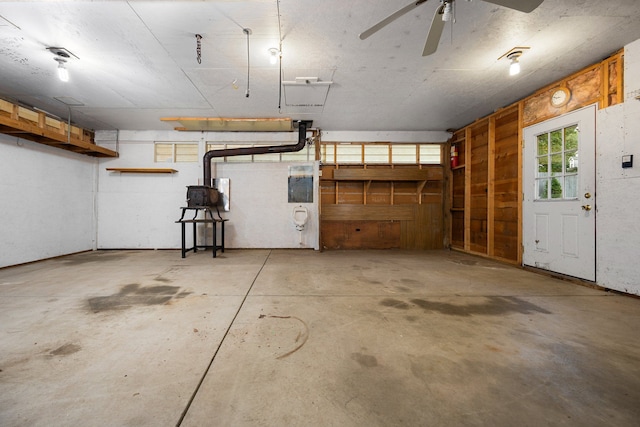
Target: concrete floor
[{"x": 301, "y": 338}]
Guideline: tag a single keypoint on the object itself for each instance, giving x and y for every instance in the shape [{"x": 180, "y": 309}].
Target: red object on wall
[{"x": 454, "y": 156}]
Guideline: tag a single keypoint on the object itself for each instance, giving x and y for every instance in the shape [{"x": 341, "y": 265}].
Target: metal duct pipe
[{"x": 302, "y": 139}]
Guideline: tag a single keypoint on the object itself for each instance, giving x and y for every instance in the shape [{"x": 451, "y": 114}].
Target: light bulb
[
  {"x": 63, "y": 73},
  {"x": 446, "y": 14},
  {"x": 514, "y": 68},
  {"x": 273, "y": 55}
]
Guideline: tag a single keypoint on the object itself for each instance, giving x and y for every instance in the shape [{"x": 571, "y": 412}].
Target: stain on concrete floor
[
  {"x": 134, "y": 294},
  {"x": 65, "y": 350},
  {"x": 492, "y": 306}
]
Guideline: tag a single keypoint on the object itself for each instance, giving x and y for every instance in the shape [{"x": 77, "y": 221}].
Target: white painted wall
[
  {"x": 618, "y": 189},
  {"x": 140, "y": 210},
  {"x": 260, "y": 214},
  {"x": 46, "y": 201}
]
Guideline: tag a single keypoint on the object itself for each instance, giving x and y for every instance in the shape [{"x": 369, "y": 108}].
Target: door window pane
[
  {"x": 571, "y": 187},
  {"x": 571, "y": 161},
  {"x": 556, "y": 141},
  {"x": 556, "y": 188},
  {"x": 571, "y": 138},
  {"x": 556, "y": 164},
  {"x": 543, "y": 166},
  {"x": 542, "y": 185},
  {"x": 543, "y": 144}
]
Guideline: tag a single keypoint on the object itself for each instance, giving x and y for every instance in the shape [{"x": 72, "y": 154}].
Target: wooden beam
[
  {"x": 520, "y": 178},
  {"x": 491, "y": 171},
  {"x": 467, "y": 189}
]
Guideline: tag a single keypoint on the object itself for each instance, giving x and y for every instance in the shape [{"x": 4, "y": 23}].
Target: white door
[{"x": 559, "y": 207}]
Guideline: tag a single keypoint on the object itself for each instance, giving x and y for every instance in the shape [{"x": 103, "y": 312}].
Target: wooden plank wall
[
  {"x": 382, "y": 207},
  {"x": 478, "y": 187},
  {"x": 486, "y": 188},
  {"x": 505, "y": 178}
]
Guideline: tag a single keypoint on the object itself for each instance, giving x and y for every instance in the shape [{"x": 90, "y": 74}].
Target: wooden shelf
[
  {"x": 142, "y": 170},
  {"x": 458, "y": 167},
  {"x": 457, "y": 209},
  {"x": 36, "y": 126},
  {"x": 434, "y": 174}
]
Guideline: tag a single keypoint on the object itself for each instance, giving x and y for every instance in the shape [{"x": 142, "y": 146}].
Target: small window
[
  {"x": 404, "y": 154},
  {"x": 430, "y": 154},
  {"x": 349, "y": 153},
  {"x": 374, "y": 153},
  {"x": 186, "y": 153},
  {"x": 163, "y": 153},
  {"x": 380, "y": 153},
  {"x": 328, "y": 153},
  {"x": 169, "y": 152}
]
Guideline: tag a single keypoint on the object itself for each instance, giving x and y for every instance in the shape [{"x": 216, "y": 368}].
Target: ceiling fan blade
[
  {"x": 525, "y": 6},
  {"x": 389, "y": 19},
  {"x": 435, "y": 32}
]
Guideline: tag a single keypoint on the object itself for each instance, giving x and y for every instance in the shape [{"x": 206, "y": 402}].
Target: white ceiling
[{"x": 137, "y": 59}]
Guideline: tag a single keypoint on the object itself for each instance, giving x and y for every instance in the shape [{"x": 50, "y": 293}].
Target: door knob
[
  {"x": 586, "y": 207},
  {"x": 587, "y": 195}
]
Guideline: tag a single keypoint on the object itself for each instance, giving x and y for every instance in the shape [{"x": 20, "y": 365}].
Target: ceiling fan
[{"x": 442, "y": 15}]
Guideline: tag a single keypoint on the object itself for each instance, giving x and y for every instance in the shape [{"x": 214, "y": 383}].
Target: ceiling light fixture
[
  {"x": 274, "y": 55},
  {"x": 63, "y": 73},
  {"x": 61, "y": 56},
  {"x": 514, "y": 67},
  {"x": 447, "y": 13}
]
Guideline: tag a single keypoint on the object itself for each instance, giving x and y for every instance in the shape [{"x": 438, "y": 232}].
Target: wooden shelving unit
[
  {"x": 36, "y": 126},
  {"x": 369, "y": 176},
  {"x": 382, "y": 206}
]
